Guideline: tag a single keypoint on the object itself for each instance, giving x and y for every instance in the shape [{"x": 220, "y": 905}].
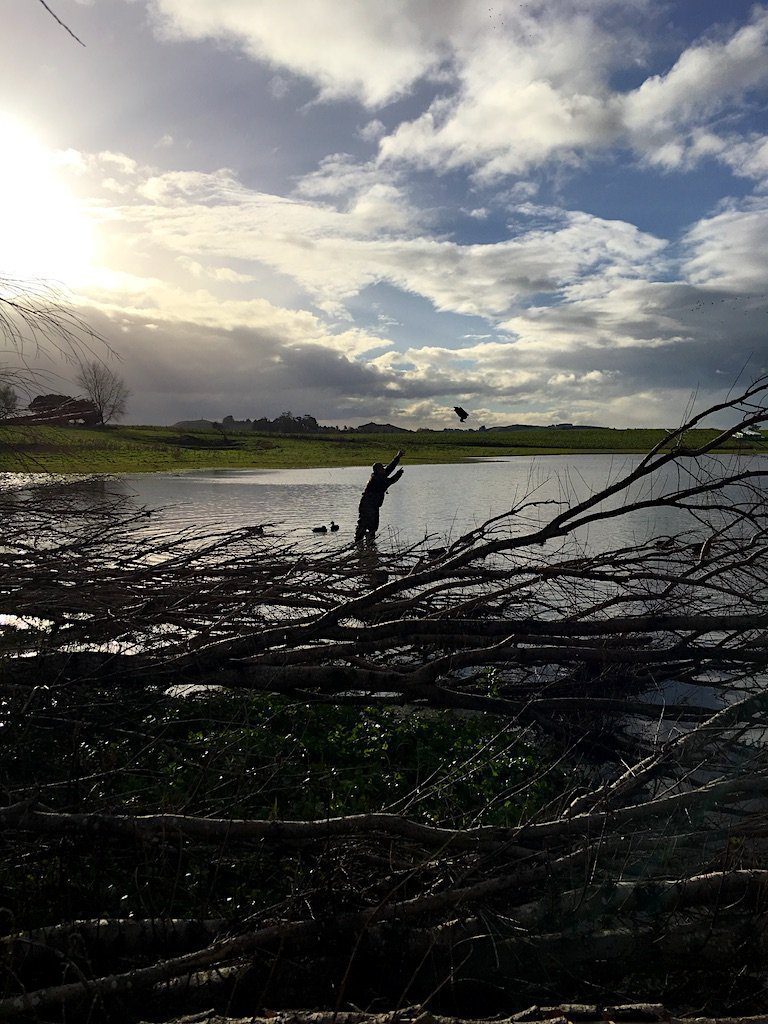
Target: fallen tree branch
[{"x": 24, "y": 817}]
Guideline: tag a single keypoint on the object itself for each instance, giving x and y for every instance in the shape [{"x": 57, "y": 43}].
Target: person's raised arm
[
  {"x": 394, "y": 462},
  {"x": 394, "y": 478}
]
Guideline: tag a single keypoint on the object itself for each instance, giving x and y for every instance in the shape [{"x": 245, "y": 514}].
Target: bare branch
[{"x": 60, "y": 22}]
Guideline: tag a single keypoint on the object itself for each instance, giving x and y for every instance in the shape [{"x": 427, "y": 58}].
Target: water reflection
[
  {"x": 442, "y": 502},
  {"x": 371, "y": 565}
]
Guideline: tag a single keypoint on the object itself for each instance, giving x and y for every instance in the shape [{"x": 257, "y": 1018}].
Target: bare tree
[
  {"x": 106, "y": 389},
  {"x": 9, "y": 400},
  {"x": 36, "y": 318}
]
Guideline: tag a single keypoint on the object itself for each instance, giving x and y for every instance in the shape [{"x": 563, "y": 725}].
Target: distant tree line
[
  {"x": 285, "y": 423},
  {"x": 288, "y": 423}
]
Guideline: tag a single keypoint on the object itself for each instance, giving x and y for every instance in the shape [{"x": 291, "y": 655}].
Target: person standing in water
[{"x": 373, "y": 497}]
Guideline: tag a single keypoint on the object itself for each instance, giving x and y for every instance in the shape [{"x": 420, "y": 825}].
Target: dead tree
[{"x": 629, "y": 861}]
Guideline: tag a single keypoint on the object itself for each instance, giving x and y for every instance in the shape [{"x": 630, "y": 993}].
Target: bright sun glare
[{"x": 44, "y": 231}]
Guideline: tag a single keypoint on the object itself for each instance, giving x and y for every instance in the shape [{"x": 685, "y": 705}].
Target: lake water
[
  {"x": 442, "y": 501},
  {"x": 439, "y": 501}
]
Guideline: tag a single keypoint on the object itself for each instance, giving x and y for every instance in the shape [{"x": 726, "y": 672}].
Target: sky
[{"x": 541, "y": 211}]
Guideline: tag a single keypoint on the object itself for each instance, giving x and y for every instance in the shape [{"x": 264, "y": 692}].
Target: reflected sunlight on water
[{"x": 442, "y": 501}]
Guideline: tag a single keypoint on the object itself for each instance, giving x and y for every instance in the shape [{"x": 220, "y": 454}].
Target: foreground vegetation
[
  {"x": 243, "y": 755},
  {"x": 150, "y": 449},
  {"x": 239, "y": 777}
]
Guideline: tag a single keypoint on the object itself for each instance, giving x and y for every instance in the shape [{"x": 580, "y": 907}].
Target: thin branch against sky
[{"x": 57, "y": 19}]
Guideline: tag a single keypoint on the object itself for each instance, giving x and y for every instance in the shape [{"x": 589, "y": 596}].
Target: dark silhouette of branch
[
  {"x": 60, "y": 22},
  {"x": 613, "y": 811}
]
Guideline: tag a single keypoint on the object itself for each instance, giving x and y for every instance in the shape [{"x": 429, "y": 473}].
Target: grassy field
[{"x": 152, "y": 449}]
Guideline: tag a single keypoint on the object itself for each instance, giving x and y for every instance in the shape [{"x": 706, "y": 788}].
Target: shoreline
[
  {"x": 38, "y": 475},
  {"x": 120, "y": 450}
]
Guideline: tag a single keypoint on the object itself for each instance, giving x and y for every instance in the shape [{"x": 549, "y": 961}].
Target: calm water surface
[{"x": 441, "y": 501}]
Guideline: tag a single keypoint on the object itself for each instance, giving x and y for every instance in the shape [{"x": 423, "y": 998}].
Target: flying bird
[{"x": 461, "y": 413}]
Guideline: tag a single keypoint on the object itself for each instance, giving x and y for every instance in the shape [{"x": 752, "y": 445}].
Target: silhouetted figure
[
  {"x": 373, "y": 497},
  {"x": 334, "y": 526},
  {"x": 461, "y": 413},
  {"x": 319, "y": 529}
]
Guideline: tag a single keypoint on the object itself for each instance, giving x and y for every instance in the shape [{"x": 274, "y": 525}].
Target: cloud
[
  {"x": 214, "y": 273},
  {"x": 705, "y": 79},
  {"x": 279, "y": 87},
  {"x": 344, "y": 291},
  {"x": 747, "y": 157},
  {"x": 181, "y": 368},
  {"x": 581, "y": 312},
  {"x": 529, "y": 96},
  {"x": 729, "y": 251},
  {"x": 179, "y": 357},
  {"x": 522, "y": 96},
  {"x": 183, "y": 358},
  {"x": 513, "y": 87},
  {"x": 160, "y": 302},
  {"x": 606, "y": 315},
  {"x": 371, "y": 52},
  {"x": 372, "y": 131},
  {"x": 375, "y": 200},
  {"x": 366, "y": 236}
]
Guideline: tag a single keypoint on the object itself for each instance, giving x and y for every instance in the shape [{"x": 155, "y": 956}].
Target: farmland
[{"x": 138, "y": 449}]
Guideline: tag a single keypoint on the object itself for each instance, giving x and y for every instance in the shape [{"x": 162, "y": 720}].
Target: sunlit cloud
[
  {"x": 530, "y": 96},
  {"x": 522, "y": 89},
  {"x": 422, "y": 204},
  {"x": 338, "y": 46},
  {"x": 608, "y": 283},
  {"x": 333, "y": 254}
]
